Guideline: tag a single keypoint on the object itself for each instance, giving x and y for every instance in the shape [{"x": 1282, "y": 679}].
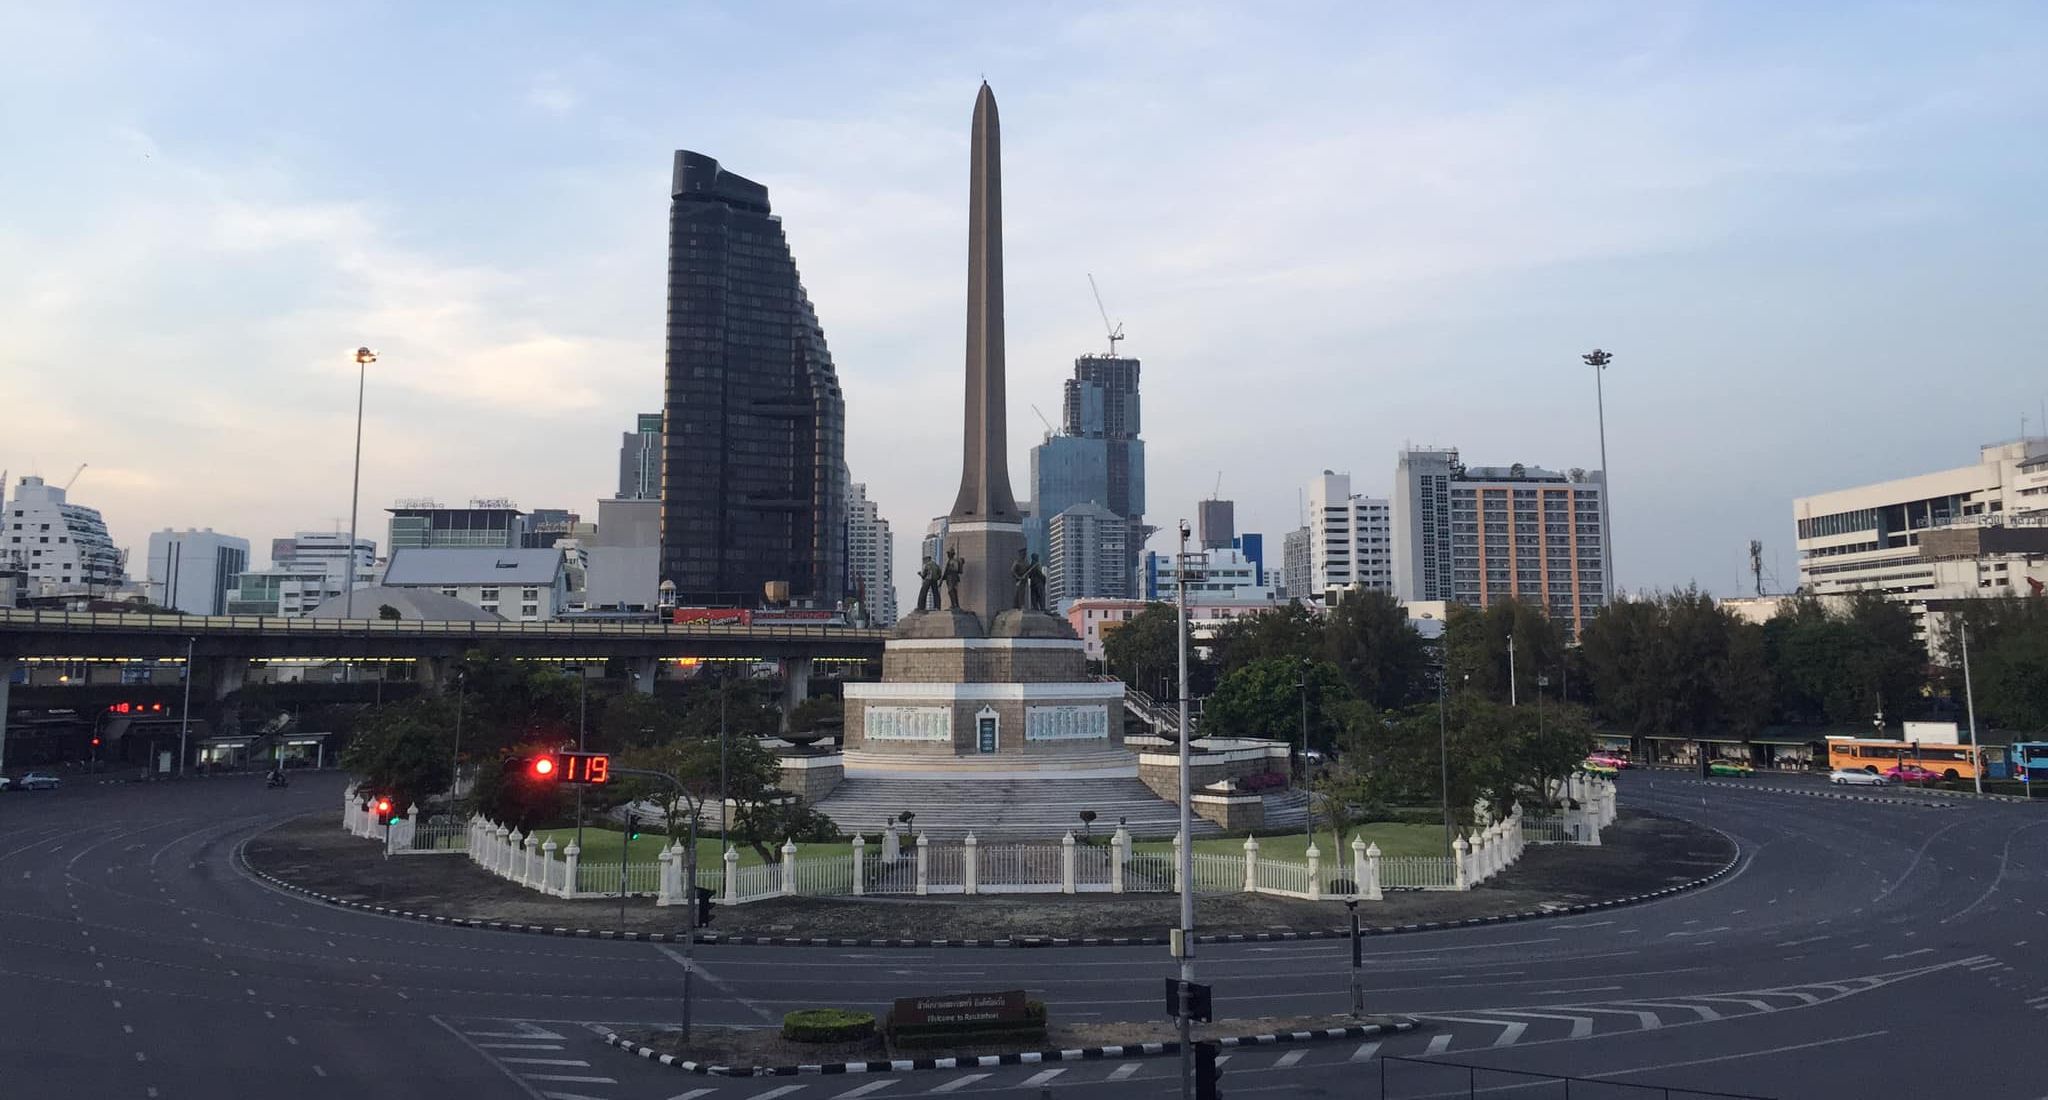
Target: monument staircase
[{"x": 1036, "y": 807}]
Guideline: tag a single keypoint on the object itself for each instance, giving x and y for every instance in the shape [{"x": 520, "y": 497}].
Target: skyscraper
[
  {"x": 753, "y": 469},
  {"x": 1089, "y": 555},
  {"x": 1096, "y": 458},
  {"x": 870, "y": 557},
  {"x": 62, "y": 548},
  {"x": 1476, "y": 534},
  {"x": 640, "y": 459},
  {"x": 1347, "y": 538},
  {"x": 191, "y": 571},
  {"x": 1298, "y": 578}
]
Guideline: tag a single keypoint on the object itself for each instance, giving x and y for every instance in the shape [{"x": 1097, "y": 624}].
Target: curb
[
  {"x": 716, "y": 938},
  {"x": 1024, "y": 1058},
  {"x": 1841, "y": 796}
]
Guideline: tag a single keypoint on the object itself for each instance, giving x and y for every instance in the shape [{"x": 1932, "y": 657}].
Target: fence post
[
  {"x": 547, "y": 866},
  {"x": 924, "y": 883},
  {"x": 1371, "y": 883},
  {"x": 892, "y": 848},
  {"x": 1315, "y": 872},
  {"x": 1590, "y": 814},
  {"x": 1251, "y": 864},
  {"x": 1119, "y": 854},
  {"x": 1461, "y": 876},
  {"x": 1067, "y": 863},
  {"x": 970, "y": 873},
  {"x": 572, "y": 858},
  {"x": 789, "y": 867},
  {"x": 1178, "y": 840},
  {"x": 860, "y": 865},
  {"x": 1357, "y": 866},
  {"x": 732, "y": 876},
  {"x": 663, "y": 860}
]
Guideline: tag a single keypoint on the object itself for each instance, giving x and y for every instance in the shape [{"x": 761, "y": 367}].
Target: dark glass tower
[{"x": 753, "y": 483}]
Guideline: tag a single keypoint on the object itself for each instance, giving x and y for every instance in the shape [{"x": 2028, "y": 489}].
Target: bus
[
  {"x": 1873, "y": 755},
  {"x": 2030, "y": 761}
]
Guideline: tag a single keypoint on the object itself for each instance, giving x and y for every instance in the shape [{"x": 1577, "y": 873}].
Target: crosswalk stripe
[
  {"x": 520, "y": 1046},
  {"x": 1042, "y": 1076},
  {"x": 961, "y": 1082},
  {"x": 785, "y": 1090},
  {"x": 1582, "y": 1026},
  {"x": 1439, "y": 1044},
  {"x": 693, "y": 1094},
  {"x": 544, "y": 1061},
  {"x": 1365, "y": 1052},
  {"x": 570, "y": 1096},
  {"x": 1290, "y": 1058},
  {"x": 863, "y": 1090},
  {"x": 570, "y": 1078},
  {"x": 1123, "y": 1071},
  {"x": 1705, "y": 1013},
  {"x": 1759, "y": 1005}
]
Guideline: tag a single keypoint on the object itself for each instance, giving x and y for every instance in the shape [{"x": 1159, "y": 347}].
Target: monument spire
[{"x": 985, "y": 466}]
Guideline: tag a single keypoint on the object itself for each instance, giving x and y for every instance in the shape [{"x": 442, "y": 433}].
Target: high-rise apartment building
[
  {"x": 1095, "y": 458},
  {"x": 191, "y": 571},
  {"x": 429, "y": 525},
  {"x": 1297, "y": 577},
  {"x": 1347, "y": 538},
  {"x": 870, "y": 557},
  {"x": 753, "y": 475},
  {"x": 62, "y": 548},
  {"x": 640, "y": 459},
  {"x": 1476, "y": 534},
  {"x": 1215, "y": 523},
  {"x": 1963, "y": 533},
  {"x": 1088, "y": 555},
  {"x": 305, "y": 571}
]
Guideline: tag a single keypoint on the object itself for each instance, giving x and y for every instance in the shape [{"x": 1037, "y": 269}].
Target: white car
[
  {"x": 1853, "y": 777},
  {"x": 4, "y": 782}
]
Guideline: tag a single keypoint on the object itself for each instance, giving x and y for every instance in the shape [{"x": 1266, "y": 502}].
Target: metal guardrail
[
  {"x": 1406, "y": 1078},
  {"x": 264, "y": 624}
]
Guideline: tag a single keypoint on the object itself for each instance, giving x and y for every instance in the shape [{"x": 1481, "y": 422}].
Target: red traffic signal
[
  {"x": 543, "y": 767},
  {"x": 590, "y": 768},
  {"x": 95, "y": 742},
  {"x": 383, "y": 806}
]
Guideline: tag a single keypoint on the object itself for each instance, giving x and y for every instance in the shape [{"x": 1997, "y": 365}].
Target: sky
[{"x": 1811, "y": 235}]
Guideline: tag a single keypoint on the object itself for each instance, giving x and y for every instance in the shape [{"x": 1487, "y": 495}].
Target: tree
[
  {"x": 1382, "y": 658},
  {"x": 404, "y": 750},
  {"x": 1264, "y": 699},
  {"x": 1145, "y": 648},
  {"x": 1290, "y": 631},
  {"x": 2008, "y": 660},
  {"x": 388, "y": 613},
  {"x": 1476, "y": 647},
  {"x": 820, "y": 715},
  {"x": 1849, "y": 665}
]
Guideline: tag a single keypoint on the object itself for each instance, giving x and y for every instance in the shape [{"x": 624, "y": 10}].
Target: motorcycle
[{"x": 276, "y": 781}]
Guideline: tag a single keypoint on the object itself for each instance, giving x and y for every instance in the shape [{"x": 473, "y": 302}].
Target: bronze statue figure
[
  {"x": 1020, "y": 574},
  {"x": 928, "y": 583},
  {"x": 1036, "y": 576},
  {"x": 951, "y": 574}
]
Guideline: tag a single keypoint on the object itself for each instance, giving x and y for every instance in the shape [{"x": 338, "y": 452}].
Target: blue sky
[{"x": 1811, "y": 234}]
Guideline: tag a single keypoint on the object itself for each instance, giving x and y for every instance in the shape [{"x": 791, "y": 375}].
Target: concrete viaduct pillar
[
  {"x": 796, "y": 686},
  {"x": 7, "y": 665},
  {"x": 227, "y": 674},
  {"x": 643, "y": 671}
]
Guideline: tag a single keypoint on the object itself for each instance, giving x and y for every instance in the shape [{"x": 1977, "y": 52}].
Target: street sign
[
  {"x": 962, "y": 1008},
  {"x": 1190, "y": 999}
]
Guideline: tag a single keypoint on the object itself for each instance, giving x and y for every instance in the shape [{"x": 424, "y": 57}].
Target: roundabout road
[{"x": 1865, "y": 948}]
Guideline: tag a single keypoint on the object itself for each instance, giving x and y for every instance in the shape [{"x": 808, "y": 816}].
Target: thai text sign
[{"x": 961, "y": 1008}]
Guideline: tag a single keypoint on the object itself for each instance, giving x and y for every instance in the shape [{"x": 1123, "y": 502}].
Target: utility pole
[
  {"x": 364, "y": 357},
  {"x": 185, "y": 711},
  {"x": 1187, "y": 832},
  {"x": 580, "y": 681},
  {"x": 1598, "y": 360},
  {"x": 1309, "y": 823},
  {"x": 1970, "y": 700},
  {"x": 1514, "y": 699},
  {"x": 1443, "y": 743}
]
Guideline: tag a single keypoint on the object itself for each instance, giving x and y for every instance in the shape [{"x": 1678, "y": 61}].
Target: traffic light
[
  {"x": 704, "y": 896},
  {"x": 382, "y": 808},
  {"x": 1208, "y": 1078},
  {"x": 543, "y": 767},
  {"x": 95, "y": 742},
  {"x": 582, "y": 768}
]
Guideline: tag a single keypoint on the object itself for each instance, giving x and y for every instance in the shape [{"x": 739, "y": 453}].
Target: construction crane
[
  {"x": 1049, "y": 430},
  {"x": 1217, "y": 493},
  {"x": 74, "y": 475},
  {"x": 1116, "y": 331}
]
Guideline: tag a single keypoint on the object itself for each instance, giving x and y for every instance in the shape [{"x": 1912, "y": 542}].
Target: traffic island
[
  {"x": 761, "y": 1052},
  {"x": 1642, "y": 856}
]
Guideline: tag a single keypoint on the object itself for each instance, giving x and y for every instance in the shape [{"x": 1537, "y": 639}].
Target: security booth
[
  {"x": 227, "y": 754},
  {"x": 303, "y": 750},
  {"x": 1787, "y": 752}
]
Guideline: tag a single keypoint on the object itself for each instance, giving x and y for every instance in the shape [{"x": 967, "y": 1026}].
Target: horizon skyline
[{"x": 1782, "y": 250}]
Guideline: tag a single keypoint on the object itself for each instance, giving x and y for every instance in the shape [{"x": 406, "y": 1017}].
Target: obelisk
[{"x": 985, "y": 527}]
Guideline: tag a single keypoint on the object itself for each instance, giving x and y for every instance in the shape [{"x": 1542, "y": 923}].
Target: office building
[
  {"x": 429, "y": 525},
  {"x": 1088, "y": 555},
  {"x": 521, "y": 585},
  {"x": 1347, "y": 538},
  {"x": 1095, "y": 618},
  {"x": 623, "y": 558},
  {"x": 1476, "y": 534},
  {"x": 1297, "y": 578},
  {"x": 640, "y": 459},
  {"x": 1096, "y": 458},
  {"x": 1215, "y": 523},
  {"x": 192, "y": 571},
  {"x": 305, "y": 570},
  {"x": 60, "y": 548},
  {"x": 1978, "y": 530},
  {"x": 1216, "y": 575},
  {"x": 870, "y": 557},
  {"x": 753, "y": 475}
]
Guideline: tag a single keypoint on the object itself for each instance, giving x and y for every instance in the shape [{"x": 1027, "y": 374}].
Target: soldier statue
[
  {"x": 1020, "y": 574},
  {"x": 951, "y": 574},
  {"x": 1037, "y": 578},
  {"x": 928, "y": 583}
]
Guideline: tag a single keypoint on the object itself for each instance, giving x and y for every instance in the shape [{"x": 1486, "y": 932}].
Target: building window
[
  {"x": 488, "y": 594},
  {"x": 529, "y": 611}
]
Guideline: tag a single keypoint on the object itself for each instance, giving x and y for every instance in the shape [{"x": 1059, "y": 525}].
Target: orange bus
[{"x": 1872, "y": 755}]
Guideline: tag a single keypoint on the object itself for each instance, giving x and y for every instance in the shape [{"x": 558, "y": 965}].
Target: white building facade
[
  {"x": 870, "y": 556},
  {"x": 1348, "y": 538},
  {"x": 192, "y": 570},
  {"x": 522, "y": 585},
  {"x": 1088, "y": 555},
  {"x": 304, "y": 571},
  {"x": 1476, "y": 534},
  {"x": 1220, "y": 574},
  {"x": 61, "y": 548},
  {"x": 624, "y": 557}
]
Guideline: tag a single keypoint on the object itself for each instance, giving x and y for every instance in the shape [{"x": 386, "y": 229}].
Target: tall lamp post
[
  {"x": 1598, "y": 360},
  {"x": 1187, "y": 833},
  {"x": 1308, "y": 826},
  {"x": 1970, "y": 700},
  {"x": 364, "y": 357},
  {"x": 1443, "y": 746}
]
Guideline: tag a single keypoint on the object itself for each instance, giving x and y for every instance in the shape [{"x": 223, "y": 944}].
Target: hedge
[{"x": 827, "y": 1025}]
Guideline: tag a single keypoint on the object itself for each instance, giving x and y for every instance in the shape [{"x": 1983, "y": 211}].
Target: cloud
[{"x": 553, "y": 95}]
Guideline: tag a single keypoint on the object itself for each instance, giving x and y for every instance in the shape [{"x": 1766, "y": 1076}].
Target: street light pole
[
  {"x": 1308, "y": 827},
  {"x": 1187, "y": 833},
  {"x": 455, "y": 783},
  {"x": 185, "y": 710},
  {"x": 1970, "y": 700},
  {"x": 364, "y": 357},
  {"x": 581, "y": 680},
  {"x": 1443, "y": 743},
  {"x": 1514, "y": 700},
  {"x": 722, "y": 840},
  {"x": 1598, "y": 360}
]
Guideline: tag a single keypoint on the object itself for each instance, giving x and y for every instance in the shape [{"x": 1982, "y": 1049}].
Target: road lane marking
[
  {"x": 963, "y": 1082},
  {"x": 318, "y": 1072},
  {"x": 1042, "y": 1076},
  {"x": 1128, "y": 1069},
  {"x": 1285, "y": 1061},
  {"x": 1704, "y": 1012},
  {"x": 1582, "y": 1026},
  {"x": 863, "y": 1090},
  {"x": 717, "y": 983},
  {"x": 1739, "y": 1054},
  {"x": 544, "y": 1061},
  {"x": 692, "y": 1094},
  {"x": 1364, "y": 1052},
  {"x": 1439, "y": 1043},
  {"x": 785, "y": 1090},
  {"x": 1909, "y": 954},
  {"x": 571, "y": 1078},
  {"x": 521, "y": 1046}
]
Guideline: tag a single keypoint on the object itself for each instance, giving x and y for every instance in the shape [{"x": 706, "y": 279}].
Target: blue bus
[{"x": 2029, "y": 761}]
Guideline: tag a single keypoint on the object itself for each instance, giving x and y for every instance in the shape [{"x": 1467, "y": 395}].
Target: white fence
[{"x": 1069, "y": 866}]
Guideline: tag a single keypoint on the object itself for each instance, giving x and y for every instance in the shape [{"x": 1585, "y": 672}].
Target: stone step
[{"x": 1040, "y": 808}]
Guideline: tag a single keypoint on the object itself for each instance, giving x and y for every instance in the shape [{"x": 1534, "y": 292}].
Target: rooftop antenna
[
  {"x": 1217, "y": 493},
  {"x": 1756, "y": 564},
  {"x": 1116, "y": 332}
]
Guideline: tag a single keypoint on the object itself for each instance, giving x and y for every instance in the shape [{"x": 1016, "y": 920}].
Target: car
[
  {"x": 1910, "y": 773},
  {"x": 1730, "y": 767},
  {"x": 1604, "y": 771},
  {"x": 5, "y": 782},
  {"x": 38, "y": 781},
  {"x": 1608, "y": 760},
  {"x": 1856, "y": 777}
]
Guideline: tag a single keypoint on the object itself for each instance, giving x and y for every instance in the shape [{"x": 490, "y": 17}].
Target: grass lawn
[
  {"x": 602, "y": 845},
  {"x": 1393, "y": 839}
]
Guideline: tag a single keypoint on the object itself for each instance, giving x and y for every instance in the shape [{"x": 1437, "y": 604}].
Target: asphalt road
[{"x": 1870, "y": 946}]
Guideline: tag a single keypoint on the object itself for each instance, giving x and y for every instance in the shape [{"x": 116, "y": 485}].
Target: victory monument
[{"x": 989, "y": 683}]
